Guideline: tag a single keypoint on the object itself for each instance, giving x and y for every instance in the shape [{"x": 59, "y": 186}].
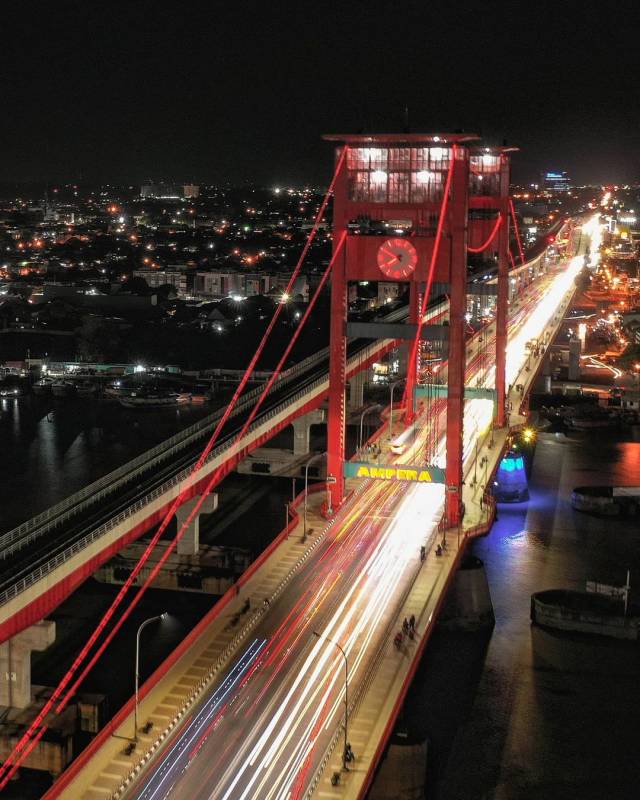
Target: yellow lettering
[
  {"x": 424, "y": 476},
  {"x": 390, "y": 473},
  {"x": 412, "y": 474},
  {"x": 402, "y": 474},
  {"x": 363, "y": 472}
]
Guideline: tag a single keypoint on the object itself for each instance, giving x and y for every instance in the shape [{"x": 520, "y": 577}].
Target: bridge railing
[{"x": 46, "y": 568}]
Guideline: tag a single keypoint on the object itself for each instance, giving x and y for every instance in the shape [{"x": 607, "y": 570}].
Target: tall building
[
  {"x": 555, "y": 182},
  {"x": 161, "y": 191},
  {"x": 190, "y": 191}
]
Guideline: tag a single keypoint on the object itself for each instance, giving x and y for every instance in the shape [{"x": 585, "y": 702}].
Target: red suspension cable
[
  {"x": 218, "y": 475},
  {"x": 17, "y": 755},
  {"x": 513, "y": 263},
  {"x": 432, "y": 268},
  {"x": 492, "y": 236},
  {"x": 515, "y": 227}
]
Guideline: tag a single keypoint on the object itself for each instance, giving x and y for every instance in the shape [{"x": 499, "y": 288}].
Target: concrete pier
[
  {"x": 468, "y": 605},
  {"x": 15, "y": 662},
  {"x": 189, "y": 544},
  {"x": 302, "y": 430},
  {"x": 403, "y": 770}
]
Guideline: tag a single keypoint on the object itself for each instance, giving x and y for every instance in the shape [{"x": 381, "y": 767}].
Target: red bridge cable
[
  {"x": 14, "y": 756},
  {"x": 215, "y": 479},
  {"x": 515, "y": 227},
  {"x": 492, "y": 236},
  {"x": 432, "y": 267},
  {"x": 217, "y": 476}
]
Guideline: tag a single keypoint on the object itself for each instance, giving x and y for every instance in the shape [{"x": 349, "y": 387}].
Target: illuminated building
[{"x": 556, "y": 182}]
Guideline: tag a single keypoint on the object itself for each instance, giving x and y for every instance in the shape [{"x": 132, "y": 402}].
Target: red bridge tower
[{"x": 401, "y": 213}]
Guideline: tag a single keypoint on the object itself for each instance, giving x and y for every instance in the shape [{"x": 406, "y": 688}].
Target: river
[
  {"x": 51, "y": 446},
  {"x": 525, "y": 713}
]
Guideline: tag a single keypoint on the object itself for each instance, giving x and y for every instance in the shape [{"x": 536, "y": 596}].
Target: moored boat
[
  {"x": 43, "y": 386},
  {"x": 63, "y": 388},
  {"x": 86, "y": 389},
  {"x": 585, "y": 612},
  {"x": 150, "y": 399}
]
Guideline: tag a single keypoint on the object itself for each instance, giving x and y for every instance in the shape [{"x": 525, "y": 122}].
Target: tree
[{"x": 135, "y": 285}]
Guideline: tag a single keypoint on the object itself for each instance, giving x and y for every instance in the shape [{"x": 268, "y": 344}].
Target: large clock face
[{"x": 397, "y": 258}]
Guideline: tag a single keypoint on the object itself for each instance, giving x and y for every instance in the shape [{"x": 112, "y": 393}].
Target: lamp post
[
  {"x": 306, "y": 491},
  {"x": 374, "y": 407},
  {"x": 392, "y": 387},
  {"x": 346, "y": 698},
  {"x": 475, "y": 465},
  {"x": 164, "y": 615}
]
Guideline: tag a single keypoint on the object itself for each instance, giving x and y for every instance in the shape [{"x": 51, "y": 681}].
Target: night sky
[{"x": 237, "y": 91}]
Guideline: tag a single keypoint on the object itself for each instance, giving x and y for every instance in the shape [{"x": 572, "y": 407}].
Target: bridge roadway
[
  {"x": 262, "y": 722},
  {"x": 43, "y": 560}
]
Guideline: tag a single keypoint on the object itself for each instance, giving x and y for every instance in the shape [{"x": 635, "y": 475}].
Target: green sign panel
[
  {"x": 403, "y": 473},
  {"x": 470, "y": 392}
]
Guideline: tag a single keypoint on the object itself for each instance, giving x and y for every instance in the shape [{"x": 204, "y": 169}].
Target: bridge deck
[
  {"x": 103, "y": 770},
  {"x": 100, "y": 772}
]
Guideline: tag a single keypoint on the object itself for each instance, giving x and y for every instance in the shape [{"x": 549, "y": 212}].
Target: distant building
[
  {"x": 556, "y": 182},
  {"x": 387, "y": 291},
  {"x": 179, "y": 279},
  {"x": 256, "y": 283},
  {"x": 218, "y": 284},
  {"x": 161, "y": 191},
  {"x": 169, "y": 191}
]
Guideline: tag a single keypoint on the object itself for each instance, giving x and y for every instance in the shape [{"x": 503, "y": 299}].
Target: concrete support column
[
  {"x": 189, "y": 544},
  {"x": 575, "y": 348},
  {"x": 15, "y": 662},
  {"x": 356, "y": 390},
  {"x": 403, "y": 359},
  {"x": 402, "y": 772},
  {"x": 302, "y": 428}
]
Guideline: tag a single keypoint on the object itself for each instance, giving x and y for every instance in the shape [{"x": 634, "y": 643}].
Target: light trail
[{"x": 289, "y": 700}]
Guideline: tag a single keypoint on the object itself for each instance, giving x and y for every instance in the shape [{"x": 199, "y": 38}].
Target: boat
[
  {"x": 86, "y": 389},
  {"x": 63, "y": 388},
  {"x": 199, "y": 398},
  {"x": 115, "y": 389},
  {"x": 10, "y": 390},
  {"x": 148, "y": 398},
  {"x": 589, "y": 423},
  {"x": 585, "y": 612},
  {"x": 43, "y": 386}
]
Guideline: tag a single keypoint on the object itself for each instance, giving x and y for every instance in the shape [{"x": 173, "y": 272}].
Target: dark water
[
  {"x": 522, "y": 712},
  {"x": 51, "y": 447}
]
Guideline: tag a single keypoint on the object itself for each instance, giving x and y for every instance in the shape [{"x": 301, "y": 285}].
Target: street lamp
[
  {"x": 162, "y": 616},
  {"x": 306, "y": 491},
  {"x": 346, "y": 690},
  {"x": 392, "y": 387},
  {"x": 374, "y": 407}
]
